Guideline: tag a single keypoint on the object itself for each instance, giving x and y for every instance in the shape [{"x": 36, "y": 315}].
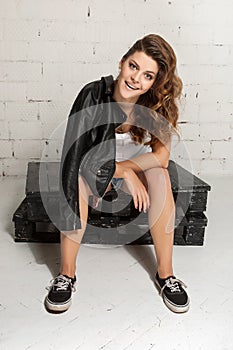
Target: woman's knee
[{"x": 157, "y": 176}]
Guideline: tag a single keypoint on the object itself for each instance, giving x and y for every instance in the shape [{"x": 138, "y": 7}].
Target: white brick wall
[{"x": 50, "y": 49}]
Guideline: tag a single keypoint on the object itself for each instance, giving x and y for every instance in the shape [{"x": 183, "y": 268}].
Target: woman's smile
[
  {"x": 130, "y": 86},
  {"x": 137, "y": 75}
]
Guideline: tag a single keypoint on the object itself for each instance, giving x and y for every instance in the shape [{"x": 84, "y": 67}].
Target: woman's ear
[{"x": 120, "y": 64}]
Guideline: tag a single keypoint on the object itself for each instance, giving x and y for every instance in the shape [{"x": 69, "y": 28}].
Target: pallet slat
[{"x": 125, "y": 224}]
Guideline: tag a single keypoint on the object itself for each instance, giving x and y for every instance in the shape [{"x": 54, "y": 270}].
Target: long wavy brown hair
[{"x": 162, "y": 98}]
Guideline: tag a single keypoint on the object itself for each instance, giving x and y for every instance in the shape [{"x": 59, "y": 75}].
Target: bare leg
[
  {"x": 161, "y": 218},
  {"x": 71, "y": 240}
]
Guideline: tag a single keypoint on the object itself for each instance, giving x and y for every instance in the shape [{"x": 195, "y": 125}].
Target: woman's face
[{"x": 137, "y": 75}]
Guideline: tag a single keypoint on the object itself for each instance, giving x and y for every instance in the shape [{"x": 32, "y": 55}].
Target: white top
[{"x": 126, "y": 148}]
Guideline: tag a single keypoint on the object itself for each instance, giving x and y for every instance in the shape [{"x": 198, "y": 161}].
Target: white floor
[{"x": 116, "y": 306}]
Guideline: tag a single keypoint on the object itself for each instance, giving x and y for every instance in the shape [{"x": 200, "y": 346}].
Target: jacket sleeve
[{"x": 78, "y": 139}]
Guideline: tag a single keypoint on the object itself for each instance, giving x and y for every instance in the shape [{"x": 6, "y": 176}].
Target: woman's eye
[
  {"x": 132, "y": 66},
  {"x": 148, "y": 76}
]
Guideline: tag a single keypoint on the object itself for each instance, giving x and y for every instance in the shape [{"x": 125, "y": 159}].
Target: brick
[
  {"x": 191, "y": 33},
  {"x": 43, "y": 92},
  {"x": 222, "y": 149},
  {"x": 95, "y": 31},
  {"x": 14, "y": 50},
  {"x": 79, "y": 52},
  {"x": 226, "y": 112},
  {"x": 51, "y": 150},
  {"x": 214, "y": 54},
  {"x": 1, "y": 168},
  {"x": 4, "y": 130},
  {"x": 54, "y": 110},
  {"x": 221, "y": 74},
  {"x": 6, "y": 149},
  {"x": 12, "y": 166},
  {"x": 196, "y": 150},
  {"x": 188, "y": 110},
  {"x": 179, "y": 152},
  {"x": 57, "y": 72},
  {"x": 20, "y": 71},
  {"x": 1, "y": 29},
  {"x": 203, "y": 54},
  {"x": 53, "y": 10},
  {"x": 12, "y": 91},
  {"x": 160, "y": 12},
  {"x": 215, "y": 132},
  {"x": 22, "y": 111},
  {"x": 189, "y": 131},
  {"x": 9, "y": 8},
  {"x": 60, "y": 30},
  {"x": 220, "y": 108},
  {"x": 21, "y": 30},
  {"x": 104, "y": 52},
  {"x": 27, "y": 149},
  {"x": 92, "y": 72},
  {"x": 186, "y": 54},
  {"x": 49, "y": 128},
  {"x": 214, "y": 92},
  {"x": 22, "y": 130},
  {"x": 201, "y": 9},
  {"x": 223, "y": 35},
  {"x": 71, "y": 73},
  {"x": 70, "y": 90},
  {"x": 2, "y": 110},
  {"x": 209, "y": 112},
  {"x": 212, "y": 166},
  {"x": 53, "y": 51},
  {"x": 119, "y": 11},
  {"x": 228, "y": 166},
  {"x": 195, "y": 74}
]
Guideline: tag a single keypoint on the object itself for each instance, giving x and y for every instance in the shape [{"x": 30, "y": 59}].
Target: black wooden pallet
[{"x": 115, "y": 221}]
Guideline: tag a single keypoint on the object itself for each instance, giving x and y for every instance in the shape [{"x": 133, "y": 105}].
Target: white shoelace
[
  {"x": 62, "y": 283},
  {"x": 173, "y": 285}
]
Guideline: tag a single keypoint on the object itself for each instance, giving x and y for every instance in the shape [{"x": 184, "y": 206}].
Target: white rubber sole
[
  {"x": 173, "y": 307},
  {"x": 56, "y": 307}
]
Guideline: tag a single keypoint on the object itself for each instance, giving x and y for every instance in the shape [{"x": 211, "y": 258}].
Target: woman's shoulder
[
  {"x": 92, "y": 93},
  {"x": 98, "y": 88}
]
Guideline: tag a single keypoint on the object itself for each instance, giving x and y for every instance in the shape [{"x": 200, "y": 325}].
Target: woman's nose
[{"x": 135, "y": 77}]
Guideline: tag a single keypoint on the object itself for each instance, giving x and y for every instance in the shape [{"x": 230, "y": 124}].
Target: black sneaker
[
  {"x": 60, "y": 292},
  {"x": 174, "y": 296}
]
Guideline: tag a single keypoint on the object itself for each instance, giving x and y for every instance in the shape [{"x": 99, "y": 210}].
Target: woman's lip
[{"x": 131, "y": 86}]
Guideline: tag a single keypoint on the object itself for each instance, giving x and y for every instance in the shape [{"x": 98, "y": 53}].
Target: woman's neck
[{"x": 125, "y": 104}]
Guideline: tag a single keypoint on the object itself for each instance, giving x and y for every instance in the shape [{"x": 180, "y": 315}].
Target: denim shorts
[{"x": 117, "y": 182}]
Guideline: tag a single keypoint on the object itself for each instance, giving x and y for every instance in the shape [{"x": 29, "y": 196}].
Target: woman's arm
[
  {"x": 128, "y": 169},
  {"x": 158, "y": 158}
]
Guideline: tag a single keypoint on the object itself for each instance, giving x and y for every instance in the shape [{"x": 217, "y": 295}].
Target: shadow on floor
[
  {"x": 145, "y": 256},
  {"x": 44, "y": 253},
  {"x": 47, "y": 254}
]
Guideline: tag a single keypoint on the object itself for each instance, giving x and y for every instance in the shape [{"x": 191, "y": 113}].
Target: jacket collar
[{"x": 108, "y": 85}]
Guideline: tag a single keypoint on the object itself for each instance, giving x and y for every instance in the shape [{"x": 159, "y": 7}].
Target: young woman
[{"x": 105, "y": 111}]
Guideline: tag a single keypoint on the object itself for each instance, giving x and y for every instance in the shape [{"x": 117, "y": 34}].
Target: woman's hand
[
  {"x": 137, "y": 190},
  {"x": 135, "y": 186}
]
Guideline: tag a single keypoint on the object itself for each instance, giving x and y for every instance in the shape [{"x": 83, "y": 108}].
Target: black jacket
[{"x": 89, "y": 147}]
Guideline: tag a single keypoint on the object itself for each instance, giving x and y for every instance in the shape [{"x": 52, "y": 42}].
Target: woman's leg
[
  {"x": 161, "y": 217},
  {"x": 71, "y": 240}
]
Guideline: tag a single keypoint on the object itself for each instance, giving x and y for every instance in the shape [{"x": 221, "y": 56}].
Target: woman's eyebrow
[{"x": 137, "y": 65}]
